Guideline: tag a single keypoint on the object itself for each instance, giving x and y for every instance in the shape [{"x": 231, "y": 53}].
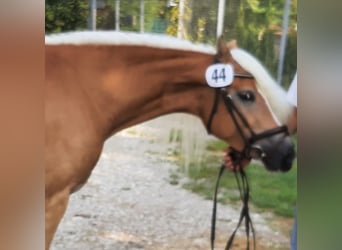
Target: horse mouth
[{"x": 276, "y": 153}]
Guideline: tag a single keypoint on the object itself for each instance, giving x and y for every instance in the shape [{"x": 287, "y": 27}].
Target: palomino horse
[{"x": 98, "y": 83}]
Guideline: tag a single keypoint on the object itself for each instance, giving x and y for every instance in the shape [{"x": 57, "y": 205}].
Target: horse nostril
[
  {"x": 277, "y": 153},
  {"x": 256, "y": 152},
  {"x": 288, "y": 159}
]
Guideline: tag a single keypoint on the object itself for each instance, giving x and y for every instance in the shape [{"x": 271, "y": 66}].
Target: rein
[
  {"x": 240, "y": 175},
  {"x": 243, "y": 186},
  {"x": 236, "y": 156}
]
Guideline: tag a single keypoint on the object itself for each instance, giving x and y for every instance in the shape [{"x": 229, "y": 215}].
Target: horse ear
[{"x": 223, "y": 53}]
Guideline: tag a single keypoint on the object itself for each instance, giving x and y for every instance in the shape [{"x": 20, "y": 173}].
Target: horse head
[{"x": 249, "y": 108}]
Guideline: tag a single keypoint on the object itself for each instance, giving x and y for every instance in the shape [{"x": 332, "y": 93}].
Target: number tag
[{"x": 219, "y": 75}]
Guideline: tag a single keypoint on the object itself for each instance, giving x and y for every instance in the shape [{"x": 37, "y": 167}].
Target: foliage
[
  {"x": 290, "y": 63},
  {"x": 255, "y": 24},
  {"x": 155, "y": 16},
  {"x": 202, "y": 23},
  {"x": 65, "y": 15},
  {"x": 172, "y": 15}
]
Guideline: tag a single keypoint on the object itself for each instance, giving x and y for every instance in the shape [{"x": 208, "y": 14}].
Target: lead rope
[
  {"x": 213, "y": 216},
  {"x": 244, "y": 194}
]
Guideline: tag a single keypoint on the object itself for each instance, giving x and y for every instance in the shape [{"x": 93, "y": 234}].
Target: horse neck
[{"x": 138, "y": 84}]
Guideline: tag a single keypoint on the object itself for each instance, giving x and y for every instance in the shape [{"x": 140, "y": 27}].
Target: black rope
[
  {"x": 268, "y": 133},
  {"x": 243, "y": 186},
  {"x": 234, "y": 111},
  {"x": 213, "y": 110},
  {"x": 213, "y": 216},
  {"x": 244, "y": 215}
]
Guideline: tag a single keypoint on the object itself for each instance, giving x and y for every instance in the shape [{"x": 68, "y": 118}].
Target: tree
[
  {"x": 63, "y": 15},
  {"x": 202, "y": 21},
  {"x": 256, "y": 25}
]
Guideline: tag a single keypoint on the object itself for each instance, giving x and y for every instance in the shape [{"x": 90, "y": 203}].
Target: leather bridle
[
  {"x": 236, "y": 114},
  {"x": 246, "y": 153}
]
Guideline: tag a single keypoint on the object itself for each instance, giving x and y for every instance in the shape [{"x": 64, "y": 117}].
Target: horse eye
[{"x": 246, "y": 96}]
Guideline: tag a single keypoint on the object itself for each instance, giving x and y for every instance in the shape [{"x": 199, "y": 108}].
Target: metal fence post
[
  {"x": 283, "y": 40},
  {"x": 220, "y": 17},
  {"x": 117, "y": 15},
  {"x": 92, "y": 15},
  {"x": 142, "y": 16},
  {"x": 180, "y": 29}
]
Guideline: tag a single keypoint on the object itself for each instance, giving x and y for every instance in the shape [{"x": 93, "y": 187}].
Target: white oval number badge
[{"x": 219, "y": 75}]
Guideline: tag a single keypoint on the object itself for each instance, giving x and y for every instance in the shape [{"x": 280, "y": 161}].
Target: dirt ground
[{"x": 129, "y": 203}]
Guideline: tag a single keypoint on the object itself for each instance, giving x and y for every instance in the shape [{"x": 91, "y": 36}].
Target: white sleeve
[{"x": 292, "y": 92}]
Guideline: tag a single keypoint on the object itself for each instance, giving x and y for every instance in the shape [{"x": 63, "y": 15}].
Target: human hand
[{"x": 234, "y": 160}]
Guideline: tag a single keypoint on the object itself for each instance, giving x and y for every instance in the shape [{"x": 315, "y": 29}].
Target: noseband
[{"x": 242, "y": 181}]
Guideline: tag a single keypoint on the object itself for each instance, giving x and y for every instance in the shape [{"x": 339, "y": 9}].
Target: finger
[
  {"x": 232, "y": 167},
  {"x": 227, "y": 159},
  {"x": 228, "y": 163}
]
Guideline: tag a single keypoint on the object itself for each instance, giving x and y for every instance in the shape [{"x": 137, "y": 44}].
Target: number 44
[{"x": 219, "y": 75}]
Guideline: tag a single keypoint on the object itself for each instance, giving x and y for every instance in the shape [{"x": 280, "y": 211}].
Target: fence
[{"x": 263, "y": 30}]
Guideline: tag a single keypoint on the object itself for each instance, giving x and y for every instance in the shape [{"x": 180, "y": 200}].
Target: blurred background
[{"x": 267, "y": 29}]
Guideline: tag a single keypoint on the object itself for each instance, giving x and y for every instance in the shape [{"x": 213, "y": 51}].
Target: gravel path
[{"x": 129, "y": 203}]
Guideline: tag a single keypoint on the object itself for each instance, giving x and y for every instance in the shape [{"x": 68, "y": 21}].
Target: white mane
[
  {"x": 126, "y": 38},
  {"x": 275, "y": 95}
]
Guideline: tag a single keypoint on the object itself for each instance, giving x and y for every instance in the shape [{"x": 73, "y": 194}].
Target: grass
[{"x": 276, "y": 192}]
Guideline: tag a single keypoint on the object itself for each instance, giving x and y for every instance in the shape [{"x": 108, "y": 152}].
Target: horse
[{"x": 100, "y": 82}]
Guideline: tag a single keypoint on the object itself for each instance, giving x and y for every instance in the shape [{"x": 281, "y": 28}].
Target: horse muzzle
[{"x": 276, "y": 152}]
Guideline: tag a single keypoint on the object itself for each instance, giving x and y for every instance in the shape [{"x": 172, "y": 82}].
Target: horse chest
[{"x": 71, "y": 155}]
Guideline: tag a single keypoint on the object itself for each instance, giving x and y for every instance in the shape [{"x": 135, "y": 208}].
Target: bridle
[
  {"x": 242, "y": 181},
  {"x": 236, "y": 114}
]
